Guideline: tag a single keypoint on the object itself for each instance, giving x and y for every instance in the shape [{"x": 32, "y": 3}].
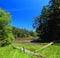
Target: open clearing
[{"x": 52, "y": 51}]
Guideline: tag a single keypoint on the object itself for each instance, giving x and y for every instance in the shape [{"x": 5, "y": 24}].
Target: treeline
[
  {"x": 47, "y": 24},
  {"x": 22, "y": 33}
]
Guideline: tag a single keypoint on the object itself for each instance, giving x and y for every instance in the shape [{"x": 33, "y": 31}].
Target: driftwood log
[
  {"x": 33, "y": 53},
  {"x": 28, "y": 51},
  {"x": 49, "y": 44}
]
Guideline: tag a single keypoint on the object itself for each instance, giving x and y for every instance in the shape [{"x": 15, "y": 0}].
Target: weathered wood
[
  {"x": 33, "y": 53},
  {"x": 45, "y": 46},
  {"x": 28, "y": 51}
]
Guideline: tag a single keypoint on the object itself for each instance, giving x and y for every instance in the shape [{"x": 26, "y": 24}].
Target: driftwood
[
  {"x": 32, "y": 53},
  {"x": 45, "y": 46},
  {"x": 28, "y": 51}
]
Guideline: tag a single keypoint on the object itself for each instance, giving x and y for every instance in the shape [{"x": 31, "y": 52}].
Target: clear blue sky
[{"x": 23, "y": 11}]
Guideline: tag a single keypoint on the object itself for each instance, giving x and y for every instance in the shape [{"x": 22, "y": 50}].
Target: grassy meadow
[
  {"x": 49, "y": 52},
  {"x": 9, "y": 52}
]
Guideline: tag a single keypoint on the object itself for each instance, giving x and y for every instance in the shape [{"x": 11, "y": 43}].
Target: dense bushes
[{"x": 6, "y": 35}]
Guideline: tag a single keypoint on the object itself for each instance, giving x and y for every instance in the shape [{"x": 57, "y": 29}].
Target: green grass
[
  {"x": 9, "y": 52},
  {"x": 49, "y": 52},
  {"x": 29, "y": 47},
  {"x": 52, "y": 51}
]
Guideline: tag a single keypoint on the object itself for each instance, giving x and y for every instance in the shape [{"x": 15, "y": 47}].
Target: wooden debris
[
  {"x": 28, "y": 51},
  {"x": 45, "y": 46}
]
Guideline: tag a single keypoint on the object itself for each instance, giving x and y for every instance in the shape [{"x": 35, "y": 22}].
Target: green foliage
[
  {"x": 5, "y": 17},
  {"x": 6, "y": 35},
  {"x": 47, "y": 24},
  {"x": 22, "y": 33}
]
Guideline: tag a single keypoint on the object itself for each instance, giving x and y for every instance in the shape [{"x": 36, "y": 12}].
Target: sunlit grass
[
  {"x": 52, "y": 51},
  {"x": 29, "y": 46},
  {"x": 9, "y": 52}
]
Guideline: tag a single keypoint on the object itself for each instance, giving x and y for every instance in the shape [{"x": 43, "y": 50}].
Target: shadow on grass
[
  {"x": 3, "y": 45},
  {"x": 38, "y": 40}
]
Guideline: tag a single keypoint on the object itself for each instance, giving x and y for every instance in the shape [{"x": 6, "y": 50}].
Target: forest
[{"x": 47, "y": 24}]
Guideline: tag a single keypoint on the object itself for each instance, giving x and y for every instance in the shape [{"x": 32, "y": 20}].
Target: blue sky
[{"x": 23, "y": 11}]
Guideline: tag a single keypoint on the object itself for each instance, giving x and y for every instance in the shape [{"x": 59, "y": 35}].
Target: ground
[{"x": 52, "y": 51}]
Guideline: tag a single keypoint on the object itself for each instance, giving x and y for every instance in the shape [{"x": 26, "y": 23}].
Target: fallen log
[
  {"x": 49, "y": 44},
  {"x": 33, "y": 53},
  {"x": 28, "y": 51}
]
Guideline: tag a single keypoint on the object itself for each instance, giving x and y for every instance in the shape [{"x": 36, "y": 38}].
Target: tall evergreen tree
[{"x": 49, "y": 21}]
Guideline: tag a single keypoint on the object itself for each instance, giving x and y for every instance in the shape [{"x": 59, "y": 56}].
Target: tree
[
  {"x": 47, "y": 24},
  {"x": 23, "y": 33},
  {"x": 6, "y": 35}
]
